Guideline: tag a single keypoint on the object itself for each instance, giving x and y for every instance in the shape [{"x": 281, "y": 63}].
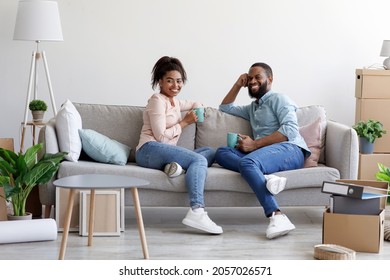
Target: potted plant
[
  {"x": 38, "y": 109},
  {"x": 20, "y": 173},
  {"x": 383, "y": 175},
  {"x": 368, "y": 132}
]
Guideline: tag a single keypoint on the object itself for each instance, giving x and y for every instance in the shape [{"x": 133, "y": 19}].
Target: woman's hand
[{"x": 188, "y": 119}]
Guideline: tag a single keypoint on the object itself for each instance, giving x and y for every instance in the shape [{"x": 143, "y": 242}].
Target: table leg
[
  {"x": 68, "y": 216},
  {"x": 140, "y": 222},
  {"x": 91, "y": 216}
]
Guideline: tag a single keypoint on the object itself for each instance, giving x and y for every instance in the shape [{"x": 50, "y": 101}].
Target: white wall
[{"x": 110, "y": 47}]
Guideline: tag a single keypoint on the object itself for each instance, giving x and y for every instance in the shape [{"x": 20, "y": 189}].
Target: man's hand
[
  {"x": 246, "y": 144},
  {"x": 232, "y": 94},
  {"x": 242, "y": 80}
]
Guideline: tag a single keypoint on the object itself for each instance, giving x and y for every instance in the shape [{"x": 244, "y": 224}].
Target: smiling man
[{"x": 277, "y": 144}]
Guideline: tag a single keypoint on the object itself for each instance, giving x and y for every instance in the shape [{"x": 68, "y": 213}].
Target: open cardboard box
[
  {"x": 362, "y": 233},
  {"x": 5, "y": 143}
]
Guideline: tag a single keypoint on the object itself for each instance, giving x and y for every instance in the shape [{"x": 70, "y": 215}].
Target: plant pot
[
  {"x": 366, "y": 147},
  {"x": 38, "y": 116},
  {"x": 28, "y": 216}
]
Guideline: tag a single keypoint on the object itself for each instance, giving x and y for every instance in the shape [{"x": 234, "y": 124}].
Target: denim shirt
[{"x": 273, "y": 112}]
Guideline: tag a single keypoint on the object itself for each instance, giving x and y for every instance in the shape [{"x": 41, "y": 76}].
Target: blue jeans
[
  {"x": 156, "y": 155},
  {"x": 253, "y": 166}
]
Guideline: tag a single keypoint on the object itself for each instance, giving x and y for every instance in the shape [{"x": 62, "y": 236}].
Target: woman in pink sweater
[{"x": 162, "y": 127}]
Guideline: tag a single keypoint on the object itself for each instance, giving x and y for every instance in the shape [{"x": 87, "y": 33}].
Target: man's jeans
[
  {"x": 156, "y": 155},
  {"x": 266, "y": 160}
]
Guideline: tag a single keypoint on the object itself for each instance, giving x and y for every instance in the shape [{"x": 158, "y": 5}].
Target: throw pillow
[
  {"x": 311, "y": 133},
  {"x": 103, "y": 149},
  {"x": 306, "y": 115},
  {"x": 68, "y": 122}
]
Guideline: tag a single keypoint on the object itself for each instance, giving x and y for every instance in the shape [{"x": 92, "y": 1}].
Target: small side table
[
  {"x": 93, "y": 182},
  {"x": 34, "y": 125}
]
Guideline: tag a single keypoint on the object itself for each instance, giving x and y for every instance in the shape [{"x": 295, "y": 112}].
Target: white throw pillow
[{"x": 68, "y": 123}]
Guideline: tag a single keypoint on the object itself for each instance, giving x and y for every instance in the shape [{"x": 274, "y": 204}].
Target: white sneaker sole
[
  {"x": 189, "y": 223},
  {"x": 279, "y": 233}
]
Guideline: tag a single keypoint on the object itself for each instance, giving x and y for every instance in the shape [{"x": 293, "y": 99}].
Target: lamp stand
[{"x": 36, "y": 55}]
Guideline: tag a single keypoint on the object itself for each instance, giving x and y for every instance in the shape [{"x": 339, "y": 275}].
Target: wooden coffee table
[{"x": 95, "y": 182}]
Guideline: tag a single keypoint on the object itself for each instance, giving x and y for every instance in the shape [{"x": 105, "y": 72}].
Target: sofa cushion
[
  {"x": 309, "y": 114},
  {"x": 213, "y": 131},
  {"x": 311, "y": 133},
  {"x": 103, "y": 149},
  {"x": 123, "y": 124},
  {"x": 68, "y": 122}
]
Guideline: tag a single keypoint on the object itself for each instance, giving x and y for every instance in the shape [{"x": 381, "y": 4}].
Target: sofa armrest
[
  {"x": 342, "y": 149},
  {"x": 48, "y": 136}
]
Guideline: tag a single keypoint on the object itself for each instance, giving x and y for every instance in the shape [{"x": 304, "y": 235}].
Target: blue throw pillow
[{"x": 103, "y": 149}]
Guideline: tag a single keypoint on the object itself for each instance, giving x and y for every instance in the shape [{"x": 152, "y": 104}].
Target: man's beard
[{"x": 260, "y": 92}]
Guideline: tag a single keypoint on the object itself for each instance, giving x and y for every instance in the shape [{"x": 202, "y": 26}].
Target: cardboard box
[
  {"x": 107, "y": 213},
  {"x": 362, "y": 233},
  {"x": 372, "y": 84},
  {"x": 368, "y": 165},
  {"x": 375, "y": 109},
  {"x": 5, "y": 143}
]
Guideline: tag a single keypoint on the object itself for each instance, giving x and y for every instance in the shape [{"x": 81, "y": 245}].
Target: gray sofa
[{"x": 338, "y": 159}]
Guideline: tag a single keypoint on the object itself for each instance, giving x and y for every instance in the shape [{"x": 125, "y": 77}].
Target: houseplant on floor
[
  {"x": 368, "y": 132},
  {"x": 20, "y": 173},
  {"x": 38, "y": 109}
]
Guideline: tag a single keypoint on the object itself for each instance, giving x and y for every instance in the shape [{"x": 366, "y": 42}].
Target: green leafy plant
[
  {"x": 371, "y": 130},
  {"x": 37, "y": 105},
  {"x": 20, "y": 173},
  {"x": 383, "y": 175}
]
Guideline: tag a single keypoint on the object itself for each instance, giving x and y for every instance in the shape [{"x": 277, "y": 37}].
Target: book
[{"x": 352, "y": 190}]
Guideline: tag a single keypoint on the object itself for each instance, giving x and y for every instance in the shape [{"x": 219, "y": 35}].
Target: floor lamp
[{"x": 37, "y": 20}]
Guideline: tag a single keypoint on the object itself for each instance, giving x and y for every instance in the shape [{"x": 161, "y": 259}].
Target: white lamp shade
[
  {"x": 385, "y": 51},
  {"x": 38, "y": 20}
]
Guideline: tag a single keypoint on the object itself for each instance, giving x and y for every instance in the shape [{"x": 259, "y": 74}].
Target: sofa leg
[{"x": 48, "y": 211}]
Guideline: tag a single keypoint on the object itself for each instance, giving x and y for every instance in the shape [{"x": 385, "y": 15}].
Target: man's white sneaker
[
  {"x": 279, "y": 225},
  {"x": 275, "y": 184},
  {"x": 173, "y": 169},
  {"x": 202, "y": 222}
]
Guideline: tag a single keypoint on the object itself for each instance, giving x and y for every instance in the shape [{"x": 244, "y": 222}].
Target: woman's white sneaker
[
  {"x": 275, "y": 184},
  {"x": 279, "y": 225},
  {"x": 173, "y": 169},
  {"x": 202, "y": 222}
]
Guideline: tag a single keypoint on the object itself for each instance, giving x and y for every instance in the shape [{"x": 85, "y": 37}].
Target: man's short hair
[{"x": 265, "y": 66}]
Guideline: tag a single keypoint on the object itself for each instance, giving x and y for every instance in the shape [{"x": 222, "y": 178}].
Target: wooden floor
[{"x": 243, "y": 239}]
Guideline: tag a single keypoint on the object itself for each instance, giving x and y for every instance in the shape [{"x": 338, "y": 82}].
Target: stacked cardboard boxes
[{"x": 372, "y": 92}]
